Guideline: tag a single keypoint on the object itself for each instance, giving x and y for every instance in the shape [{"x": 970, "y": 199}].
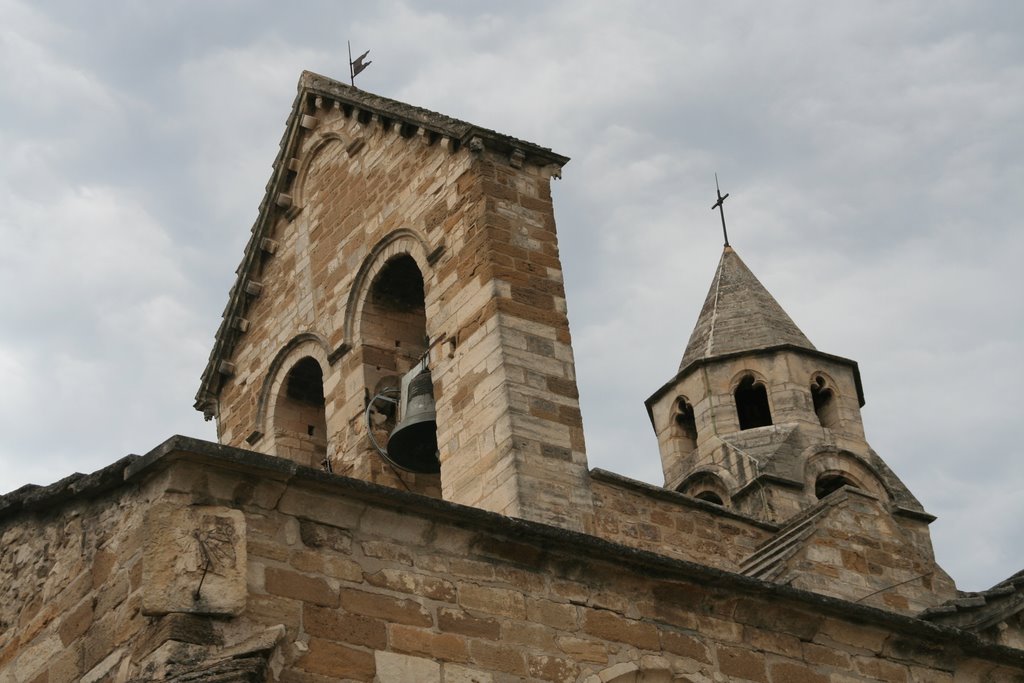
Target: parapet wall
[
  {"x": 668, "y": 523},
  {"x": 345, "y": 580}
]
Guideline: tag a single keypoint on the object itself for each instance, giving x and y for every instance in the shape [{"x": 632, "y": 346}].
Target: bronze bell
[{"x": 413, "y": 442}]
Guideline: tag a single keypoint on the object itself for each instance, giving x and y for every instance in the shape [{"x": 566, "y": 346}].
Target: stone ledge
[{"x": 36, "y": 498}]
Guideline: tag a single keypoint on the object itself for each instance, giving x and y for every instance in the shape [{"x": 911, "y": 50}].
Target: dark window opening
[
  {"x": 306, "y": 382},
  {"x": 399, "y": 285},
  {"x": 393, "y": 341},
  {"x": 686, "y": 425},
  {"x": 711, "y": 497},
  {"x": 707, "y": 487},
  {"x": 394, "y": 319},
  {"x": 752, "y": 404},
  {"x": 299, "y": 416},
  {"x": 824, "y": 403},
  {"x": 830, "y": 483}
]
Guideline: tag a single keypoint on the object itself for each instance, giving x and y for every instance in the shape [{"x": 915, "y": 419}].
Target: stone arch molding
[
  {"x": 738, "y": 377},
  {"x": 830, "y": 381},
  {"x": 320, "y": 143},
  {"x": 715, "y": 471},
  {"x": 820, "y": 462},
  {"x": 401, "y": 241},
  {"x": 301, "y": 346},
  {"x": 650, "y": 670}
]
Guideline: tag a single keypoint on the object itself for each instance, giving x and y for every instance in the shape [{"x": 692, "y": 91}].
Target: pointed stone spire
[{"x": 739, "y": 315}]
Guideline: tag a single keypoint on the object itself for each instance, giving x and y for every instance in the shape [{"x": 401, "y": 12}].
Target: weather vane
[
  {"x": 355, "y": 67},
  {"x": 720, "y": 205}
]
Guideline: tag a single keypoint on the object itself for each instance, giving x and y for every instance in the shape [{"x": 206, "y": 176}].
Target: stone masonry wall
[
  {"x": 70, "y": 579},
  {"x": 348, "y": 581},
  {"x": 641, "y": 516},
  {"x": 480, "y": 226}
]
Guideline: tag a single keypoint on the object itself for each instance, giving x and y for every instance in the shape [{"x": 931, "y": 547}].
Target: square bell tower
[{"x": 392, "y": 237}]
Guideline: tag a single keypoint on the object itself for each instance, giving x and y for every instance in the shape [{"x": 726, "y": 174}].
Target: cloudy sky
[{"x": 873, "y": 153}]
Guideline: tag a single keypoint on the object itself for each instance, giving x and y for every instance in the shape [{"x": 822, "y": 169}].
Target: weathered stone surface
[
  {"x": 194, "y": 561},
  {"x": 396, "y": 668}
]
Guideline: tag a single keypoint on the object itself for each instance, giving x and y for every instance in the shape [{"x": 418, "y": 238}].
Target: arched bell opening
[
  {"x": 823, "y": 397},
  {"x": 393, "y": 330},
  {"x": 300, "y": 421},
  {"x": 752, "y": 407},
  {"x": 684, "y": 427}
]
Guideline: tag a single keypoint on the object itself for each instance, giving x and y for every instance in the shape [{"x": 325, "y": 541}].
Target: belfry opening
[
  {"x": 395, "y": 342},
  {"x": 394, "y": 323},
  {"x": 752, "y": 404},
  {"x": 300, "y": 422}
]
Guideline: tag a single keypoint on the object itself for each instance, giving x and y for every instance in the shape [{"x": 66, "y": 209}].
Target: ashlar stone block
[{"x": 194, "y": 561}]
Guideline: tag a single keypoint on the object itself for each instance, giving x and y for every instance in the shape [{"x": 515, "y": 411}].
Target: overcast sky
[{"x": 873, "y": 153}]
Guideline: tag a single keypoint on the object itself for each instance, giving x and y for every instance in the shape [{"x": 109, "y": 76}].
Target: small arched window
[
  {"x": 824, "y": 400},
  {"x": 394, "y": 322},
  {"x": 299, "y": 416},
  {"x": 752, "y": 403},
  {"x": 710, "y": 497},
  {"x": 685, "y": 425},
  {"x": 830, "y": 482},
  {"x": 706, "y": 486}
]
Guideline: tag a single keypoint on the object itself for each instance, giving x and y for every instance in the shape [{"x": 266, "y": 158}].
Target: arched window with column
[
  {"x": 684, "y": 426},
  {"x": 752, "y": 407},
  {"x": 823, "y": 398}
]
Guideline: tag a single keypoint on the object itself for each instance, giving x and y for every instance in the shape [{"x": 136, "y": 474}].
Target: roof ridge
[{"x": 714, "y": 310}]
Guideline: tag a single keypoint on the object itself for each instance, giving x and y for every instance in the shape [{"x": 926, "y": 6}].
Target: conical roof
[{"x": 739, "y": 315}]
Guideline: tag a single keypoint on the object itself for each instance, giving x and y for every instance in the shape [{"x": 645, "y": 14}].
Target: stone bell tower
[
  {"x": 392, "y": 238},
  {"x": 759, "y": 420}
]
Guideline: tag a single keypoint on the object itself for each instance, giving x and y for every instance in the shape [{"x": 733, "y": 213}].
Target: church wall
[
  {"x": 348, "y": 581},
  {"x": 668, "y": 523},
  {"x": 70, "y": 579},
  {"x": 861, "y": 553}
]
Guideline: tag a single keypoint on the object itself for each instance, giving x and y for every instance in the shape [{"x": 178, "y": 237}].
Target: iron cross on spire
[{"x": 720, "y": 205}]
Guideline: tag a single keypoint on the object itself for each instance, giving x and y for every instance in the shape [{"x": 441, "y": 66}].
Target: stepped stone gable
[
  {"x": 849, "y": 544},
  {"x": 781, "y": 548}
]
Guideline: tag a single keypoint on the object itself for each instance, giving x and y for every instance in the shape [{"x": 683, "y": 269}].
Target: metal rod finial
[{"x": 720, "y": 205}]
